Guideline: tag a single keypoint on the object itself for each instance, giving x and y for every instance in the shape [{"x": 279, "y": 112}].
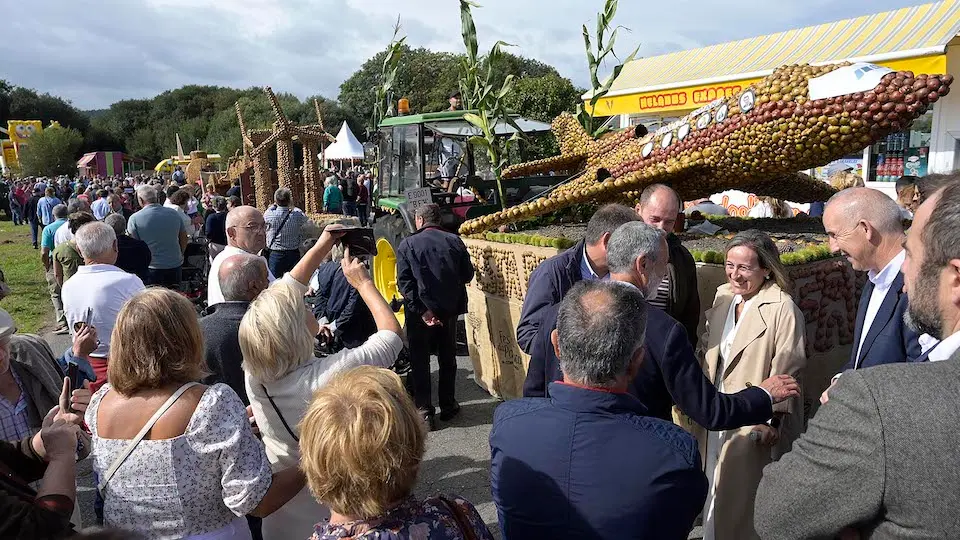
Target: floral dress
[{"x": 411, "y": 520}]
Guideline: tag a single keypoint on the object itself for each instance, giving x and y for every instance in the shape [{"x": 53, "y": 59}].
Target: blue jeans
[
  {"x": 34, "y": 231},
  {"x": 282, "y": 261},
  {"x": 17, "y": 216},
  {"x": 349, "y": 208},
  {"x": 363, "y": 213}
]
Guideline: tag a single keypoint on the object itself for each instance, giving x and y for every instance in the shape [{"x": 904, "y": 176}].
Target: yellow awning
[{"x": 912, "y": 39}]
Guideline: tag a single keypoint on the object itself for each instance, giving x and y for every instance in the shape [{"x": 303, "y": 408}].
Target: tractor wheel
[{"x": 389, "y": 230}]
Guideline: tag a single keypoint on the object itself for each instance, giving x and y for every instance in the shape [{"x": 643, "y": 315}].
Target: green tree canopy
[{"x": 51, "y": 152}]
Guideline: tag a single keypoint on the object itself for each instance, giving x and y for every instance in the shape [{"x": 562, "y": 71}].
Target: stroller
[{"x": 196, "y": 267}]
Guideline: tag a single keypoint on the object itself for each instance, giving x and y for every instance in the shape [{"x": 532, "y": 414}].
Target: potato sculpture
[{"x": 756, "y": 141}]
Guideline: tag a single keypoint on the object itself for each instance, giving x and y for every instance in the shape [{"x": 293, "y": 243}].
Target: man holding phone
[{"x": 433, "y": 269}]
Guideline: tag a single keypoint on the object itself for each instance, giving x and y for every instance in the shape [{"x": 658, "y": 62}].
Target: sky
[{"x": 97, "y": 52}]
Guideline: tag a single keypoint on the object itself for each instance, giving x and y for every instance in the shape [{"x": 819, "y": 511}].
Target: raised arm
[{"x": 312, "y": 260}]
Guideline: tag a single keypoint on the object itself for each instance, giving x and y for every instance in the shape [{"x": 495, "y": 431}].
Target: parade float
[{"x": 796, "y": 119}]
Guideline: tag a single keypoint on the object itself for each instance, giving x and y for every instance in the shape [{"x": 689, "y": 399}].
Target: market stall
[
  {"x": 347, "y": 149},
  {"x": 656, "y": 90}
]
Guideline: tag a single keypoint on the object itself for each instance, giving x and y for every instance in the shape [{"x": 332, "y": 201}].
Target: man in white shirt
[
  {"x": 63, "y": 234},
  {"x": 95, "y": 294},
  {"x": 246, "y": 233},
  {"x": 864, "y": 226}
]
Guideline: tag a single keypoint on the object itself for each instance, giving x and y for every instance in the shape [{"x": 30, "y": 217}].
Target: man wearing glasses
[{"x": 246, "y": 233}]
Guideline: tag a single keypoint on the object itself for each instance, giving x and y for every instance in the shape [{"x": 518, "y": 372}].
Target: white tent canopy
[{"x": 346, "y": 147}]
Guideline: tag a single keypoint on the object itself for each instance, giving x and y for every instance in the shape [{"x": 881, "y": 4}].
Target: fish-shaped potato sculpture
[{"x": 798, "y": 118}]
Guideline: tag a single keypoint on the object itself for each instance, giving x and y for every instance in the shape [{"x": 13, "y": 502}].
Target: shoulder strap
[
  {"x": 277, "y": 410},
  {"x": 143, "y": 433},
  {"x": 463, "y": 522},
  {"x": 280, "y": 229}
]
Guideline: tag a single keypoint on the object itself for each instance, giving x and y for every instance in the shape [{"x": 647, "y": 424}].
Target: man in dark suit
[
  {"x": 864, "y": 225},
  {"x": 637, "y": 256},
  {"x": 550, "y": 281},
  {"x": 589, "y": 462},
  {"x": 433, "y": 269},
  {"x": 348, "y": 319},
  {"x": 880, "y": 459},
  {"x": 242, "y": 278}
]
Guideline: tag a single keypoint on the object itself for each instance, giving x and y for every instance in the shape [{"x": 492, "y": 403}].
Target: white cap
[{"x": 7, "y": 326}]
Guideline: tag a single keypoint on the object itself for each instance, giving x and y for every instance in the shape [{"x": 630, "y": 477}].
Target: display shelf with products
[{"x": 905, "y": 153}]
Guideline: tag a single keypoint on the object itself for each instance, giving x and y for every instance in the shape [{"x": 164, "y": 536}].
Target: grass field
[{"x": 28, "y": 302}]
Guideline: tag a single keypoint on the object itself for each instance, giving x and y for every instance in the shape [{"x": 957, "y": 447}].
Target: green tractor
[{"x": 426, "y": 158}]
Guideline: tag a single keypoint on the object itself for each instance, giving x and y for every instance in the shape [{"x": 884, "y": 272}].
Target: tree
[
  {"x": 51, "y": 152},
  {"x": 543, "y": 98}
]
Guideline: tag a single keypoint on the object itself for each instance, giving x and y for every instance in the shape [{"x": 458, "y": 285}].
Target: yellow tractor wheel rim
[{"x": 385, "y": 274}]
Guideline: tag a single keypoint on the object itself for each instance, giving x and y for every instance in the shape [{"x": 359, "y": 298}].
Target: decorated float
[{"x": 796, "y": 119}]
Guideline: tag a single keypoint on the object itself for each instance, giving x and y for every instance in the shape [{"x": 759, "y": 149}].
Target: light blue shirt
[
  {"x": 160, "y": 228},
  {"x": 100, "y": 207},
  {"x": 45, "y": 209},
  {"x": 46, "y": 239}
]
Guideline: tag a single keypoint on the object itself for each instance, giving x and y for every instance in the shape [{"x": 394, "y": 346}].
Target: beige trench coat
[{"x": 770, "y": 341}]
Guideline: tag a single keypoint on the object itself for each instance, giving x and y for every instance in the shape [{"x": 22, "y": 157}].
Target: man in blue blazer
[
  {"x": 637, "y": 256},
  {"x": 588, "y": 462},
  {"x": 550, "y": 281},
  {"x": 865, "y": 226}
]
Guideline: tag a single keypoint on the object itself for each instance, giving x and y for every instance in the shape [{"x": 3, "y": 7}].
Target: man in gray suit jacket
[{"x": 880, "y": 458}]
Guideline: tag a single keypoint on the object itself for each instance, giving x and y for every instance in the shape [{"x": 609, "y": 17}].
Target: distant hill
[{"x": 95, "y": 113}]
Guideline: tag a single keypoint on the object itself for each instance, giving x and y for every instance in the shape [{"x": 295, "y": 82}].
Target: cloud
[{"x": 98, "y": 53}]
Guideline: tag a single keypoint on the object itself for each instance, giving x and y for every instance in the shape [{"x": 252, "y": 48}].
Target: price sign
[{"x": 418, "y": 197}]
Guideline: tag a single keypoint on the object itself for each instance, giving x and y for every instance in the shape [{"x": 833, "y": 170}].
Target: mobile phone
[{"x": 360, "y": 240}]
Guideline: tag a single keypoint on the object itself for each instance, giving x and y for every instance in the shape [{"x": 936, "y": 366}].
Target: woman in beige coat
[{"x": 753, "y": 331}]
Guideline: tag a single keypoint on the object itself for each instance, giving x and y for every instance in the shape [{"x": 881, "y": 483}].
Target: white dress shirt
[
  {"x": 882, "y": 281},
  {"x": 945, "y": 349},
  {"x": 102, "y": 289},
  {"x": 214, "y": 294},
  {"x": 62, "y": 235}
]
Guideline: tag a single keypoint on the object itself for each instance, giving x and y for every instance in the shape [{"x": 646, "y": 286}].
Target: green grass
[{"x": 29, "y": 302}]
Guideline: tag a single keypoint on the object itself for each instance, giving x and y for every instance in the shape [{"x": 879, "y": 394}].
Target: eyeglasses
[
  {"x": 743, "y": 269},
  {"x": 254, "y": 227}
]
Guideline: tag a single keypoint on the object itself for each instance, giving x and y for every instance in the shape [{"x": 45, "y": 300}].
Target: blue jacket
[
  {"x": 433, "y": 269},
  {"x": 669, "y": 374},
  {"x": 548, "y": 284},
  {"x": 889, "y": 340},
  {"x": 339, "y": 302},
  {"x": 589, "y": 464}
]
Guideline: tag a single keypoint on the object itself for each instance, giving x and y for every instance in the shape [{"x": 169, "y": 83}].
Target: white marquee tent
[{"x": 346, "y": 147}]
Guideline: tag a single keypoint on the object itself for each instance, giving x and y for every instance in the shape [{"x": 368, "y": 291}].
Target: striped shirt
[
  {"x": 662, "y": 298},
  {"x": 289, "y": 238},
  {"x": 13, "y": 416}
]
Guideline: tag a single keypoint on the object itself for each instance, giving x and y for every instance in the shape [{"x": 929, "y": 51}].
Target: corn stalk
[
  {"x": 388, "y": 76},
  {"x": 488, "y": 103},
  {"x": 595, "y": 59}
]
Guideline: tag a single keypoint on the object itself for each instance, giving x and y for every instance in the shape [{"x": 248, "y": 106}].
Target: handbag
[
  {"x": 463, "y": 522},
  {"x": 143, "y": 433}
]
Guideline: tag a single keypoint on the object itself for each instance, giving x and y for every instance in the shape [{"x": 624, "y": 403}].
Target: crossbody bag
[
  {"x": 105, "y": 479},
  {"x": 279, "y": 230}
]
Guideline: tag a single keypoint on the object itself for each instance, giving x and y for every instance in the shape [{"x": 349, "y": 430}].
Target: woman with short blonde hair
[
  {"x": 362, "y": 443},
  {"x": 174, "y": 458},
  {"x": 277, "y": 336}
]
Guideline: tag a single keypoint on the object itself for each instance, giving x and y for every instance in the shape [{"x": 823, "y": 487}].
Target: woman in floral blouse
[{"x": 361, "y": 444}]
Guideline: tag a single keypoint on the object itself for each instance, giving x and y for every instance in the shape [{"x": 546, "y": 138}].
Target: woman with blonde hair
[
  {"x": 754, "y": 330},
  {"x": 277, "y": 338},
  {"x": 174, "y": 458},
  {"x": 362, "y": 445}
]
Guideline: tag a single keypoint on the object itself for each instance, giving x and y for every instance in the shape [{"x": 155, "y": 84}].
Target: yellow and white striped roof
[{"x": 904, "y": 33}]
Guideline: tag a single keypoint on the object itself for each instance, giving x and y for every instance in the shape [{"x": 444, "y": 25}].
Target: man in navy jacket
[
  {"x": 864, "y": 226},
  {"x": 433, "y": 269},
  {"x": 637, "y": 256},
  {"x": 550, "y": 281},
  {"x": 588, "y": 462}
]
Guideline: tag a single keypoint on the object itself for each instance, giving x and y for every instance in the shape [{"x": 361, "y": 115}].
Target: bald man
[
  {"x": 864, "y": 225},
  {"x": 242, "y": 277},
  {"x": 246, "y": 233},
  {"x": 678, "y": 294}
]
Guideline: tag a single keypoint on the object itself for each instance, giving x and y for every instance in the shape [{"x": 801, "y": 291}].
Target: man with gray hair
[
  {"x": 165, "y": 234},
  {"x": 865, "y": 226},
  {"x": 242, "y": 277},
  {"x": 246, "y": 233},
  {"x": 95, "y": 294},
  {"x": 433, "y": 269},
  {"x": 284, "y": 232},
  {"x": 637, "y": 256},
  {"x": 589, "y": 462}
]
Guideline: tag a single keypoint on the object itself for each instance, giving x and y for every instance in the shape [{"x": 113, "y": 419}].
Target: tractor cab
[{"x": 427, "y": 158}]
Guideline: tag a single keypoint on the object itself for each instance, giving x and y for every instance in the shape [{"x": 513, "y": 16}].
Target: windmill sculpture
[{"x": 257, "y": 143}]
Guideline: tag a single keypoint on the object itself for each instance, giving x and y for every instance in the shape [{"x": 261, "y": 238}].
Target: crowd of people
[{"x": 276, "y": 413}]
